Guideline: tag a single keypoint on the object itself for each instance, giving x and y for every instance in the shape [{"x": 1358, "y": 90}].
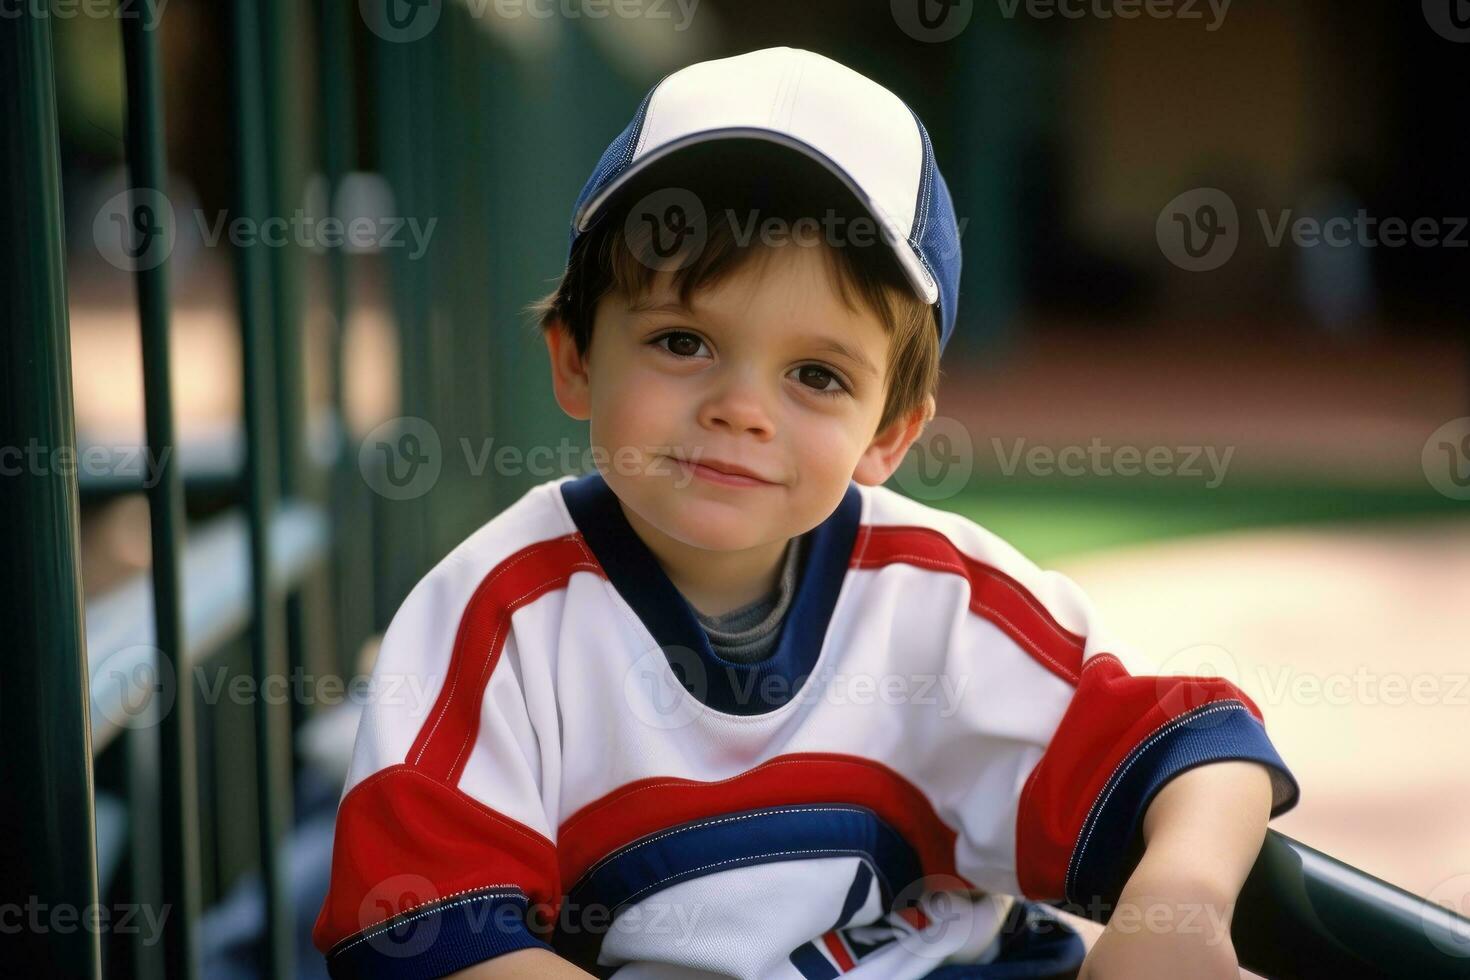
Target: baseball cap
[{"x": 856, "y": 129}]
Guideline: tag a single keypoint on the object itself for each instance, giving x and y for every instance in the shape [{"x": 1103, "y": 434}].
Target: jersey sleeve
[
  {"x": 1121, "y": 736},
  {"x": 444, "y": 852}
]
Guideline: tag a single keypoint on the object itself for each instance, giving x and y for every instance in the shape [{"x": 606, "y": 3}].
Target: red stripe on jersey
[
  {"x": 407, "y": 831},
  {"x": 1110, "y": 714},
  {"x": 649, "y": 805},
  {"x": 994, "y": 595},
  {"x": 405, "y": 839},
  {"x": 445, "y": 739},
  {"x": 914, "y": 916},
  {"x": 839, "y": 952}
]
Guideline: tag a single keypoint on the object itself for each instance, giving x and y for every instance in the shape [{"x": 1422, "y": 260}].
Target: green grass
[{"x": 1050, "y": 519}]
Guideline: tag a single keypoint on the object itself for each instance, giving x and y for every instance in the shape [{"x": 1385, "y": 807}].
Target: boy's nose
[{"x": 738, "y": 408}]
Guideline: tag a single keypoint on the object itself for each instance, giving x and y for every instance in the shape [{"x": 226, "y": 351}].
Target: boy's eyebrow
[
  {"x": 834, "y": 346},
  {"x": 830, "y": 345},
  {"x": 671, "y": 306}
]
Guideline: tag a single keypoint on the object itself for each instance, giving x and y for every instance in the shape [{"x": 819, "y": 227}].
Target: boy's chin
[
  {"x": 695, "y": 521},
  {"x": 702, "y": 527}
]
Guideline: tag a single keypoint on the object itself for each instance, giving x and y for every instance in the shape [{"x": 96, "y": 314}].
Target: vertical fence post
[
  {"x": 48, "y": 855},
  {"x": 280, "y": 81},
  {"x": 178, "y": 803},
  {"x": 404, "y": 551},
  {"x": 272, "y": 760},
  {"x": 279, "y": 78},
  {"x": 351, "y": 511}
]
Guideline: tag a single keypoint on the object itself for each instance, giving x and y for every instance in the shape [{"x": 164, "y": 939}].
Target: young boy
[{"x": 726, "y": 706}]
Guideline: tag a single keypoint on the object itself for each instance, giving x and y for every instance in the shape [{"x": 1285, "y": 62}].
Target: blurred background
[{"x": 1211, "y": 357}]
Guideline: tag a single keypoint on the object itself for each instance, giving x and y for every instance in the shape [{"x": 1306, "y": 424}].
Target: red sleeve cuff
[
  {"x": 1121, "y": 739},
  {"x": 408, "y": 848}
]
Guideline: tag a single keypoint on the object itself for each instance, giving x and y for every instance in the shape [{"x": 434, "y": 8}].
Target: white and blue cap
[{"x": 855, "y": 128}]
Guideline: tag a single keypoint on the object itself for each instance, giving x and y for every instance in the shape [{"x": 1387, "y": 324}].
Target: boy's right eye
[{"x": 680, "y": 343}]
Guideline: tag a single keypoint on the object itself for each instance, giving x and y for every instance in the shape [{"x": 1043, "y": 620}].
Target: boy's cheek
[{"x": 628, "y": 410}]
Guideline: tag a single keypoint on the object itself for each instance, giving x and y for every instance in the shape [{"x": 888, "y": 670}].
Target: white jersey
[{"x": 553, "y": 755}]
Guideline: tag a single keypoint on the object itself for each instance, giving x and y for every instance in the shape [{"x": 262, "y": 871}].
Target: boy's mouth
[{"x": 721, "y": 472}]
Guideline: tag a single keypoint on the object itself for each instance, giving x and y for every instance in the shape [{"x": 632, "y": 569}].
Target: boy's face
[{"x": 750, "y": 377}]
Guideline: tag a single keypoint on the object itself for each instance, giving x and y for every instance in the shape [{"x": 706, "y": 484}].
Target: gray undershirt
[{"x": 748, "y": 635}]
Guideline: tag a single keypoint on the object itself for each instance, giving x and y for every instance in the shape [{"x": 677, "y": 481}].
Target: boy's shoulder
[
  {"x": 1034, "y": 605},
  {"x": 888, "y": 514},
  {"x": 537, "y": 517}
]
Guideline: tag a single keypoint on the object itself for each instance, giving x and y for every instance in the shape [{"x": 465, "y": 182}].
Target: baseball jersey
[{"x": 553, "y": 756}]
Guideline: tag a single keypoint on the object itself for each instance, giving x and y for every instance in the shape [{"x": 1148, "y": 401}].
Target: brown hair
[{"x": 607, "y": 259}]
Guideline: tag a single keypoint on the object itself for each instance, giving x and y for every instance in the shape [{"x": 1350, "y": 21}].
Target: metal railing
[{"x": 48, "y": 851}]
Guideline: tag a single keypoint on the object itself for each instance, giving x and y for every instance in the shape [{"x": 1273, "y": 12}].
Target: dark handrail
[{"x": 1307, "y": 916}]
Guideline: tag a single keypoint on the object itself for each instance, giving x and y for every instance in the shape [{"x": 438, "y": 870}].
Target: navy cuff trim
[
  {"x": 1109, "y": 844},
  {"x": 437, "y": 939}
]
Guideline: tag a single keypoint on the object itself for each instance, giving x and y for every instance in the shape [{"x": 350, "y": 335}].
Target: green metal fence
[
  {"x": 298, "y": 562},
  {"x": 48, "y": 831}
]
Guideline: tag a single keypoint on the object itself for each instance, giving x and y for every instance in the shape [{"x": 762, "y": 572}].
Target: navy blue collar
[{"x": 737, "y": 689}]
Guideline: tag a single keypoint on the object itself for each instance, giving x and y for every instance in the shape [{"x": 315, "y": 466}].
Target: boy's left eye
[{"x": 820, "y": 380}]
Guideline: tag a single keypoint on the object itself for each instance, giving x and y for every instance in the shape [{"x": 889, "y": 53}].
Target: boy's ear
[
  {"x": 887, "y": 449},
  {"x": 568, "y": 372}
]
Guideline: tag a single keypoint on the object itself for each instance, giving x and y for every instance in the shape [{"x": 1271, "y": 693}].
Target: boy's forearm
[
  {"x": 1201, "y": 835},
  {"x": 539, "y": 963},
  {"x": 1203, "y": 831}
]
